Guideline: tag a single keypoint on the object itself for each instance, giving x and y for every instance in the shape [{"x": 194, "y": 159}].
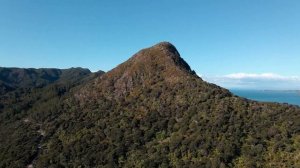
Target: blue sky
[{"x": 233, "y": 43}]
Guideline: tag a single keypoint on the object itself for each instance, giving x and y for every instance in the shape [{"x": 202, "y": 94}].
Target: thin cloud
[
  {"x": 256, "y": 81},
  {"x": 262, "y": 76}
]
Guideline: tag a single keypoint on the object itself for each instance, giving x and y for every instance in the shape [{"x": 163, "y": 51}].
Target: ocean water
[{"x": 286, "y": 96}]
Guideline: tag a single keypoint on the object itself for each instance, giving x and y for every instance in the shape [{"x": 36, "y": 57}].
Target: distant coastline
[
  {"x": 284, "y": 91},
  {"x": 266, "y": 95},
  {"x": 270, "y": 90}
]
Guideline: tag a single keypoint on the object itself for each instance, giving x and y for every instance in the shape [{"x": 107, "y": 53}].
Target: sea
[{"x": 279, "y": 96}]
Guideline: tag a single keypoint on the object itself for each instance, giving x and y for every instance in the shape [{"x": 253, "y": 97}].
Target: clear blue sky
[{"x": 218, "y": 38}]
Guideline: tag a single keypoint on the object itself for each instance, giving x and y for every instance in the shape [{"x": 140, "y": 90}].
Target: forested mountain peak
[
  {"x": 162, "y": 54},
  {"x": 154, "y": 105},
  {"x": 158, "y": 65},
  {"x": 162, "y": 57},
  {"x": 150, "y": 111}
]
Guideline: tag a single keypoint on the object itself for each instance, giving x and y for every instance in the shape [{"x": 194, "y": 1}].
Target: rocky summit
[{"x": 150, "y": 111}]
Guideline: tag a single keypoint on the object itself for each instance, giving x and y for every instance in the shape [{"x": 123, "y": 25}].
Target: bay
[{"x": 279, "y": 96}]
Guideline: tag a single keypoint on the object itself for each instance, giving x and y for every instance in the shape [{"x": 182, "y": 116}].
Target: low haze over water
[{"x": 281, "y": 96}]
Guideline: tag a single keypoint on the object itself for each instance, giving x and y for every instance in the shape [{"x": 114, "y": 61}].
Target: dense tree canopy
[{"x": 151, "y": 111}]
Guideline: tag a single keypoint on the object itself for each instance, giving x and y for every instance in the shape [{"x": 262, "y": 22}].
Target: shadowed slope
[{"x": 36, "y": 96}]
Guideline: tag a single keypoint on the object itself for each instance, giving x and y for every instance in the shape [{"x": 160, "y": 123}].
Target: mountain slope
[{"x": 154, "y": 111}]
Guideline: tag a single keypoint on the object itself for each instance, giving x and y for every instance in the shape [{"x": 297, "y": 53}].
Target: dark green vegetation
[
  {"x": 18, "y": 78},
  {"x": 32, "y": 95},
  {"x": 151, "y": 111}
]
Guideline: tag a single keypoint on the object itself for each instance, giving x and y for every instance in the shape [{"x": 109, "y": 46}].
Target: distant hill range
[
  {"x": 14, "y": 78},
  {"x": 150, "y": 111}
]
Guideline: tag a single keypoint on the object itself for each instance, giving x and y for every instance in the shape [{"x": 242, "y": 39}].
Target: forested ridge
[{"x": 150, "y": 111}]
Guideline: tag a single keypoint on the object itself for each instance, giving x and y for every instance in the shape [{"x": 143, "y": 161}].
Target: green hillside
[{"x": 150, "y": 111}]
